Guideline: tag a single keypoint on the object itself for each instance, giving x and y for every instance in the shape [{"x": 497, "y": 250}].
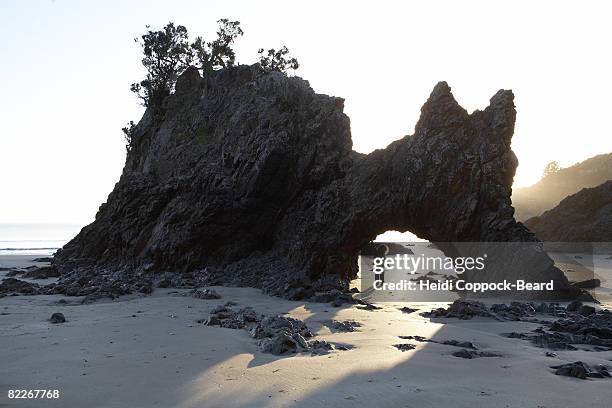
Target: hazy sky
[{"x": 67, "y": 65}]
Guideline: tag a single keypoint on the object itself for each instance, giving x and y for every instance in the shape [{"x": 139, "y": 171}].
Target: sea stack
[{"x": 247, "y": 177}]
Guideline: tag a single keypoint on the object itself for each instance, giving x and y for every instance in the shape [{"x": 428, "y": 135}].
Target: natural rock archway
[{"x": 248, "y": 177}]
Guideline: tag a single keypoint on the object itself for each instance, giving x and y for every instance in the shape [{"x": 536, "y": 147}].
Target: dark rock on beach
[
  {"x": 404, "y": 346},
  {"x": 461, "y": 309},
  {"x": 581, "y": 325},
  {"x": 581, "y": 370},
  {"x": 248, "y": 177},
  {"x": 368, "y": 306},
  {"x": 205, "y": 294},
  {"x": 452, "y": 342},
  {"x": 277, "y": 335},
  {"x": 57, "y": 318},
  {"x": 470, "y": 354},
  {"x": 43, "y": 259},
  {"x": 344, "y": 326},
  {"x": 12, "y": 286},
  {"x": 45, "y": 272},
  {"x": 459, "y": 343}
]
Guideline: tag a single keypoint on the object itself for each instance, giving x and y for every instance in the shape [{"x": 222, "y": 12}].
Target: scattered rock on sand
[
  {"x": 469, "y": 354},
  {"x": 454, "y": 343},
  {"x": 281, "y": 343},
  {"x": 343, "y": 326},
  {"x": 581, "y": 370},
  {"x": 57, "y": 318},
  {"x": 336, "y": 297},
  {"x": 589, "y": 327},
  {"x": 16, "y": 286},
  {"x": 277, "y": 335},
  {"x": 407, "y": 309},
  {"x": 461, "y": 309},
  {"x": 420, "y": 339},
  {"x": 45, "y": 272},
  {"x": 369, "y": 306},
  {"x": 207, "y": 294},
  {"x": 44, "y": 259},
  {"x": 404, "y": 346},
  {"x": 514, "y": 311},
  {"x": 459, "y": 343}
]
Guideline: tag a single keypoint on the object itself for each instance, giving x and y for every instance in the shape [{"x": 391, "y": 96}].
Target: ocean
[{"x": 35, "y": 239}]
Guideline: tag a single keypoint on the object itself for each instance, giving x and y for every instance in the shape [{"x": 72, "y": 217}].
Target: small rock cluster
[
  {"x": 12, "y": 286},
  {"x": 57, "y": 318},
  {"x": 344, "y": 326},
  {"x": 368, "y": 306},
  {"x": 470, "y": 354},
  {"x": 335, "y": 297},
  {"x": 578, "y": 325},
  {"x": 207, "y": 294},
  {"x": 404, "y": 346},
  {"x": 407, "y": 309},
  {"x": 452, "y": 342},
  {"x": 277, "y": 335},
  {"x": 461, "y": 309},
  {"x": 515, "y": 311},
  {"x": 581, "y": 370},
  {"x": 44, "y": 272}
]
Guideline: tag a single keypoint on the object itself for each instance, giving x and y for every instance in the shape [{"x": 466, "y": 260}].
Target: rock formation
[
  {"x": 248, "y": 177},
  {"x": 585, "y": 217}
]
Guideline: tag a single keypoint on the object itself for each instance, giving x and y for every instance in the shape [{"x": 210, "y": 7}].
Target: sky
[{"x": 67, "y": 65}]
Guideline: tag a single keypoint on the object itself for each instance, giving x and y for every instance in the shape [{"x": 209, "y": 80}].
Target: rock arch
[{"x": 248, "y": 177}]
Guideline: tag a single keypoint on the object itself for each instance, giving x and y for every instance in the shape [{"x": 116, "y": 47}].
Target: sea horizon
[{"x": 35, "y": 238}]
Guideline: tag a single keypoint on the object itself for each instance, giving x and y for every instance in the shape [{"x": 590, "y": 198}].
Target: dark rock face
[
  {"x": 583, "y": 217},
  {"x": 249, "y": 178}
]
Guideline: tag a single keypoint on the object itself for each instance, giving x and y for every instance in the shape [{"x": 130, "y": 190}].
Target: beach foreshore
[{"x": 150, "y": 351}]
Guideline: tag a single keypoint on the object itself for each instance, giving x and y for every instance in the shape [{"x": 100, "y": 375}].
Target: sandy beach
[{"x": 150, "y": 352}]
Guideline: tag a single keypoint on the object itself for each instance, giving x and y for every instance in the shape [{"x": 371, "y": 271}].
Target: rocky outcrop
[
  {"x": 585, "y": 217},
  {"x": 248, "y": 178},
  {"x": 550, "y": 190}
]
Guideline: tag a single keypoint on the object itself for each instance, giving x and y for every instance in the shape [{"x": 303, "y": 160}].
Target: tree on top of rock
[
  {"x": 277, "y": 60},
  {"x": 210, "y": 56},
  {"x": 166, "y": 55},
  {"x": 168, "y": 52}
]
